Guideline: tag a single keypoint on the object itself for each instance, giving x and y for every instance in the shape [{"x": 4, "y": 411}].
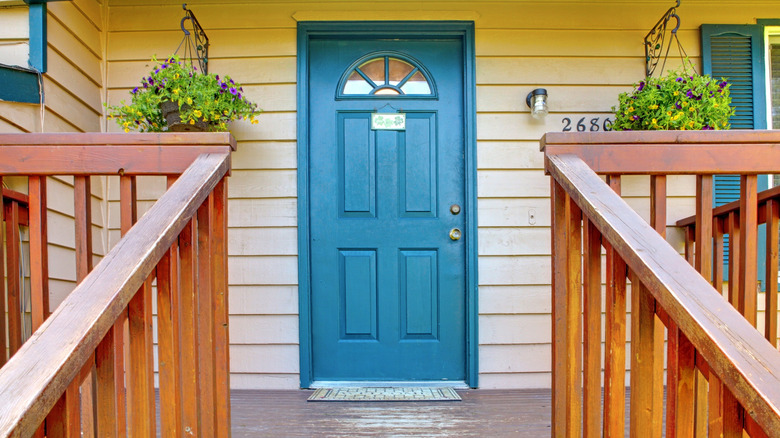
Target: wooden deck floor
[{"x": 482, "y": 413}]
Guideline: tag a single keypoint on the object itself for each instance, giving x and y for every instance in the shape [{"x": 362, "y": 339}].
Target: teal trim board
[
  {"x": 737, "y": 53},
  {"x": 388, "y": 290},
  {"x": 20, "y": 85}
]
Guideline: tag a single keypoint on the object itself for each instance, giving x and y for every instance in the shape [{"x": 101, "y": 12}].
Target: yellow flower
[
  {"x": 139, "y": 113},
  {"x": 225, "y": 112},
  {"x": 197, "y": 113},
  {"x": 127, "y": 129},
  {"x": 724, "y": 123},
  {"x": 668, "y": 113},
  {"x": 715, "y": 105},
  {"x": 691, "y": 109},
  {"x": 176, "y": 76},
  {"x": 653, "y": 106},
  {"x": 655, "y": 122},
  {"x": 254, "y": 121},
  {"x": 631, "y": 109},
  {"x": 676, "y": 93},
  {"x": 154, "y": 124},
  {"x": 176, "y": 91},
  {"x": 690, "y": 123},
  {"x": 192, "y": 121},
  {"x": 685, "y": 104},
  {"x": 189, "y": 100}
]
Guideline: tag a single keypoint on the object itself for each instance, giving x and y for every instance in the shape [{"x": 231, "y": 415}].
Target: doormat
[{"x": 384, "y": 394}]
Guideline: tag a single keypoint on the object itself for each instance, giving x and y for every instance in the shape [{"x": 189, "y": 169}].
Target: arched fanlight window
[{"x": 386, "y": 74}]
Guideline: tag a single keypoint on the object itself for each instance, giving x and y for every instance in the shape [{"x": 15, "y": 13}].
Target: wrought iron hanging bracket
[
  {"x": 655, "y": 39},
  {"x": 196, "y": 43}
]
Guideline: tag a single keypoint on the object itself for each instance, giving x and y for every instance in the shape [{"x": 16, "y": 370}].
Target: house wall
[
  {"x": 584, "y": 53},
  {"x": 73, "y": 103}
]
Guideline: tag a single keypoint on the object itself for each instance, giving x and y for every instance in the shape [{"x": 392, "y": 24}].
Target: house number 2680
[{"x": 584, "y": 124}]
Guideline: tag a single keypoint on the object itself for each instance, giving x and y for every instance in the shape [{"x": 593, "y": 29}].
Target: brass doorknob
[{"x": 455, "y": 234}]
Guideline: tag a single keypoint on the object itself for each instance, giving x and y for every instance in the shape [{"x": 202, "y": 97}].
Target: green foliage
[
  {"x": 206, "y": 97},
  {"x": 677, "y": 101}
]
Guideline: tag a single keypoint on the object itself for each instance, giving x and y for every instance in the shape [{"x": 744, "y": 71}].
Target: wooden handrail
[
  {"x": 40, "y": 372},
  {"x": 725, "y": 209}
]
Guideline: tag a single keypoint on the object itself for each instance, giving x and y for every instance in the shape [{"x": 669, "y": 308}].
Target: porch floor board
[{"x": 493, "y": 413}]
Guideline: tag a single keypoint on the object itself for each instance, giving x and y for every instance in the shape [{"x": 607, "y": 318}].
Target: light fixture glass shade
[{"x": 537, "y": 101}]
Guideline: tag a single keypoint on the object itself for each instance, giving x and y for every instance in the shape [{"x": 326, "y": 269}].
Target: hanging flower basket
[
  {"x": 172, "y": 116},
  {"x": 175, "y": 96}
]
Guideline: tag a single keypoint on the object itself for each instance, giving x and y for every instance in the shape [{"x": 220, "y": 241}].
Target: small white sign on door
[{"x": 388, "y": 121}]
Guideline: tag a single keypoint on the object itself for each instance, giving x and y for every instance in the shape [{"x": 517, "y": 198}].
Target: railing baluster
[
  {"x": 221, "y": 311},
  {"x": 748, "y": 269},
  {"x": 717, "y": 254},
  {"x": 642, "y": 358},
  {"x": 12, "y": 246},
  {"x": 592, "y": 331},
  {"x": 39, "y": 252},
  {"x": 772, "y": 259},
  {"x": 82, "y": 190},
  {"x": 715, "y": 405},
  {"x": 658, "y": 222},
  {"x": 206, "y": 303},
  {"x": 107, "y": 390},
  {"x": 733, "y": 415},
  {"x": 615, "y": 327},
  {"x": 189, "y": 341},
  {"x": 685, "y": 414},
  {"x": 560, "y": 411},
  {"x": 3, "y": 312},
  {"x": 735, "y": 295},
  {"x": 140, "y": 375},
  {"x": 168, "y": 320}
]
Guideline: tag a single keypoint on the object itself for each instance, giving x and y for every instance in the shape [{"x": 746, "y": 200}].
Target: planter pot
[{"x": 170, "y": 112}]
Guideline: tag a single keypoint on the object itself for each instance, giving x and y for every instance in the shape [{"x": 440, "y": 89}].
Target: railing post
[
  {"x": 3, "y": 332},
  {"x": 658, "y": 222}
]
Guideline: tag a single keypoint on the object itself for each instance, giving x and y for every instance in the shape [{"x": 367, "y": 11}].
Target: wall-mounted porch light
[{"x": 537, "y": 101}]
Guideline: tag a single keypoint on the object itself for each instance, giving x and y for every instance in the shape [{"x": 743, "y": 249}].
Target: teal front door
[{"x": 386, "y": 197}]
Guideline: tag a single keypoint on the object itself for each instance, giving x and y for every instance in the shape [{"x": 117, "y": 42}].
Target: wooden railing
[
  {"x": 726, "y": 224},
  {"x": 13, "y": 216},
  {"x": 722, "y": 376},
  {"x": 89, "y": 366}
]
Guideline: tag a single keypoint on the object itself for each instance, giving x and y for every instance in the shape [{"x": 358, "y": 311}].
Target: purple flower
[
  {"x": 135, "y": 90},
  {"x": 634, "y": 117},
  {"x": 238, "y": 95},
  {"x": 157, "y": 70},
  {"x": 217, "y": 78},
  {"x": 658, "y": 86},
  {"x": 679, "y": 79},
  {"x": 677, "y": 105},
  {"x": 689, "y": 94},
  {"x": 164, "y": 66},
  {"x": 223, "y": 85},
  {"x": 723, "y": 84},
  {"x": 707, "y": 128},
  {"x": 233, "y": 91},
  {"x": 231, "y": 82},
  {"x": 641, "y": 86}
]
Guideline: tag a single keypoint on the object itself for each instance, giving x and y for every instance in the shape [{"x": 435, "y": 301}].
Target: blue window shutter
[{"x": 736, "y": 52}]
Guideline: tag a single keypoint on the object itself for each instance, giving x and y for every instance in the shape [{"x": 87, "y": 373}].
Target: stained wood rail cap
[
  {"x": 109, "y": 139},
  {"x": 670, "y": 152},
  {"x": 734, "y": 136}
]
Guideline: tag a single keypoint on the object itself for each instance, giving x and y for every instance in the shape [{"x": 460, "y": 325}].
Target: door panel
[{"x": 388, "y": 292}]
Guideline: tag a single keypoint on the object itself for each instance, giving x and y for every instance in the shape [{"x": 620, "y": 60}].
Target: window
[{"x": 385, "y": 75}]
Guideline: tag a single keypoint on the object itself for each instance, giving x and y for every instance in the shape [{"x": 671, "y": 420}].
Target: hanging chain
[
  {"x": 655, "y": 42},
  {"x": 195, "y": 43}
]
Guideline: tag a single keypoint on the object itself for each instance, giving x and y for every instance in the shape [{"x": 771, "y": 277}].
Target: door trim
[{"x": 421, "y": 29}]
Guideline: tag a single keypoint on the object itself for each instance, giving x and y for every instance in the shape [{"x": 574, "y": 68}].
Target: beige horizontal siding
[{"x": 584, "y": 53}]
